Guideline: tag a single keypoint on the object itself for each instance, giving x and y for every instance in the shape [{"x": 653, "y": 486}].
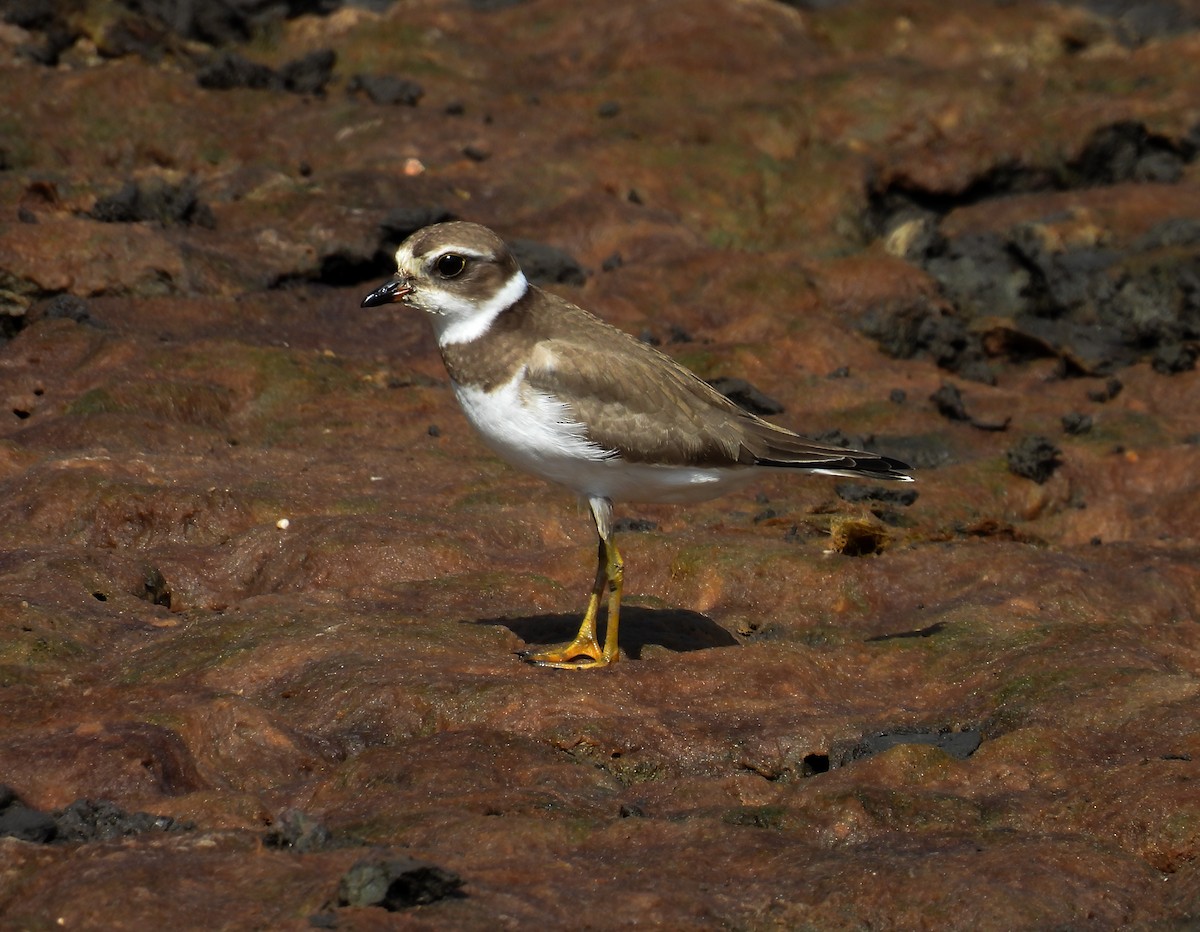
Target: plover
[{"x": 561, "y": 394}]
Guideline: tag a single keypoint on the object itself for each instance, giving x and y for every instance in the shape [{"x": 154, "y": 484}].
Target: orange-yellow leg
[{"x": 585, "y": 652}]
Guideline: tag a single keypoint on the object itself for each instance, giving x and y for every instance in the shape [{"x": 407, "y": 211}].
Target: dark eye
[{"x": 450, "y": 265}]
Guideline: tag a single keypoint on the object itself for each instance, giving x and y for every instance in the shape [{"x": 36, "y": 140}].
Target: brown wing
[
  {"x": 641, "y": 404},
  {"x": 648, "y": 408}
]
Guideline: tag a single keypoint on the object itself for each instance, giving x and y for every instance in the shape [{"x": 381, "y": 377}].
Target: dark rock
[
  {"x": 51, "y": 20},
  {"x": 86, "y": 820},
  {"x": 1034, "y": 458},
  {"x": 840, "y": 438},
  {"x": 608, "y": 109},
  {"x": 1082, "y": 348},
  {"x": 1059, "y": 280},
  {"x": 67, "y": 307},
  {"x": 82, "y": 821},
  {"x": 1137, "y": 22},
  {"x": 155, "y": 588},
  {"x": 310, "y": 73},
  {"x": 225, "y": 23},
  {"x": 746, "y": 396},
  {"x": 856, "y": 492},
  {"x": 27, "y": 824},
  {"x": 1159, "y": 168},
  {"x": 477, "y": 153},
  {"x": 897, "y": 396},
  {"x": 953, "y": 347},
  {"x": 1111, "y": 389},
  {"x": 20, "y": 821},
  {"x": 33, "y": 15},
  {"x": 55, "y": 42},
  {"x": 1173, "y": 358},
  {"x": 980, "y": 276},
  {"x": 158, "y": 201},
  {"x": 396, "y": 883},
  {"x": 677, "y": 333},
  {"x": 1152, "y": 301},
  {"x": 622, "y": 525},
  {"x": 927, "y": 632},
  {"x": 949, "y": 403},
  {"x": 297, "y": 831},
  {"x": 491, "y": 6},
  {"x": 890, "y": 203},
  {"x": 959, "y": 744},
  {"x": 1126, "y": 151},
  {"x": 1093, "y": 305},
  {"x": 1175, "y": 232},
  {"x": 399, "y": 224},
  {"x": 545, "y": 264},
  {"x": 389, "y": 89},
  {"x": 922, "y": 451},
  {"x": 136, "y": 35},
  {"x": 213, "y": 23},
  {"x": 815, "y": 5},
  {"x": 345, "y": 267},
  {"x": 1076, "y": 423},
  {"x": 11, "y": 324},
  {"x": 228, "y": 70}
]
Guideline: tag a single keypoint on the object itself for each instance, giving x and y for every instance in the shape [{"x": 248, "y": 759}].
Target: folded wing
[{"x": 649, "y": 409}]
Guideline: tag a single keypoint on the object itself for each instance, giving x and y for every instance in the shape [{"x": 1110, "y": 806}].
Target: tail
[{"x": 789, "y": 451}]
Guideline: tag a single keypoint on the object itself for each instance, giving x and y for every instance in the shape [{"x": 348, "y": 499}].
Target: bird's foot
[{"x": 581, "y": 654}]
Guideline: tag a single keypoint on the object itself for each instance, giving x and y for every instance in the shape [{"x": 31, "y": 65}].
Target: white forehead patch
[{"x": 404, "y": 260}]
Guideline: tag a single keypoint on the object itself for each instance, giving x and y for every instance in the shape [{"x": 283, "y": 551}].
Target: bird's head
[{"x": 461, "y": 274}]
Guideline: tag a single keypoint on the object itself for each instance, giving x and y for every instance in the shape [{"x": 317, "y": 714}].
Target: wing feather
[{"x": 649, "y": 409}]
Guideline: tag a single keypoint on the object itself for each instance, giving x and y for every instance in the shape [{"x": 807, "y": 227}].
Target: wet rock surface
[{"x": 261, "y": 590}]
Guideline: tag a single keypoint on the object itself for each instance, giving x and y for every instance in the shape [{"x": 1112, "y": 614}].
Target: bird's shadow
[{"x": 676, "y": 629}]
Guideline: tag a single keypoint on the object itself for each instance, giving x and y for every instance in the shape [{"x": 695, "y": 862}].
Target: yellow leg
[
  {"x": 584, "y": 652},
  {"x": 614, "y": 571}
]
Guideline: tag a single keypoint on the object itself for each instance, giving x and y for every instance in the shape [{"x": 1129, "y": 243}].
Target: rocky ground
[{"x": 261, "y": 589}]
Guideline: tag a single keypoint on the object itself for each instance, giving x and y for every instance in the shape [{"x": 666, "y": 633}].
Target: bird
[{"x": 559, "y": 393}]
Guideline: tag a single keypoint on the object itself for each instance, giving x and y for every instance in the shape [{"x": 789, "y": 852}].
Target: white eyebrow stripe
[{"x": 460, "y": 251}]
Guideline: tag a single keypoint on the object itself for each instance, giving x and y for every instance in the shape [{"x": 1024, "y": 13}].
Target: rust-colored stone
[{"x": 256, "y": 574}]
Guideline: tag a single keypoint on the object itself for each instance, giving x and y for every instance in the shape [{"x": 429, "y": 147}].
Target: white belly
[{"x": 537, "y": 434}]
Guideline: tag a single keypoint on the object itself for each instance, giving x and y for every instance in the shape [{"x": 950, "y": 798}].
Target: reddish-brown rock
[{"x": 256, "y": 574}]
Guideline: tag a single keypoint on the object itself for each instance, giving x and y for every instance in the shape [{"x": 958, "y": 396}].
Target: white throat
[{"x": 456, "y": 320}]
